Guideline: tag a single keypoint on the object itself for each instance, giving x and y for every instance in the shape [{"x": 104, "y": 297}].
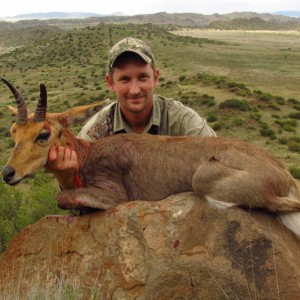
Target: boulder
[{"x": 177, "y": 248}]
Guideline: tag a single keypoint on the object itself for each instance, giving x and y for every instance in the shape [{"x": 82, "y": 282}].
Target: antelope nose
[{"x": 8, "y": 173}]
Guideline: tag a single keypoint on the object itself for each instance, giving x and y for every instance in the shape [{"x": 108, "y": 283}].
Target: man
[{"x": 133, "y": 77}]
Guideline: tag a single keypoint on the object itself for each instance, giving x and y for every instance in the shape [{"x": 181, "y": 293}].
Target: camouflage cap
[{"x": 130, "y": 44}]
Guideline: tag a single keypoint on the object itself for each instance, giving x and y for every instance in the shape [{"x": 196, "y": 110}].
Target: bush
[
  {"x": 182, "y": 78},
  {"x": 276, "y": 116},
  {"x": 294, "y": 146},
  {"x": 212, "y": 117},
  {"x": 295, "y": 171},
  {"x": 217, "y": 126},
  {"x": 287, "y": 125},
  {"x": 293, "y": 101},
  {"x": 295, "y": 115},
  {"x": 283, "y": 140},
  {"x": 241, "y": 105},
  {"x": 238, "y": 122},
  {"x": 19, "y": 209},
  {"x": 265, "y": 97},
  {"x": 10, "y": 201},
  {"x": 268, "y": 132},
  {"x": 280, "y": 100}
]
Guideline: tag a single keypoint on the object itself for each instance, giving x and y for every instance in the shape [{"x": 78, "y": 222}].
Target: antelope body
[{"x": 129, "y": 167}]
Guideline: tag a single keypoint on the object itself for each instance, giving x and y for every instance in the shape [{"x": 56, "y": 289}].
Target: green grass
[{"x": 264, "y": 60}]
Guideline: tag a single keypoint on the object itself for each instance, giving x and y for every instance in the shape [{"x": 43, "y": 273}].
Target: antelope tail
[{"x": 291, "y": 221}]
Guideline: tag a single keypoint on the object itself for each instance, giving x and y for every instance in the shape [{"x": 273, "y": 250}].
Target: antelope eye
[{"x": 42, "y": 137}]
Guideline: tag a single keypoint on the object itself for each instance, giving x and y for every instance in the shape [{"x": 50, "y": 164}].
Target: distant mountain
[
  {"x": 60, "y": 15},
  {"x": 57, "y": 15},
  {"x": 295, "y": 14},
  {"x": 235, "y": 20}
]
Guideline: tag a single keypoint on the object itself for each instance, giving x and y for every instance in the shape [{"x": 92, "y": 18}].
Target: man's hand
[{"x": 62, "y": 162}]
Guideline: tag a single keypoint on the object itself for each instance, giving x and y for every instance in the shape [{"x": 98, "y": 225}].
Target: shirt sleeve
[
  {"x": 183, "y": 120},
  {"x": 193, "y": 124},
  {"x": 83, "y": 132},
  {"x": 99, "y": 126}
]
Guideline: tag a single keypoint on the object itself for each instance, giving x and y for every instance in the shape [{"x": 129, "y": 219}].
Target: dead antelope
[{"x": 128, "y": 167}]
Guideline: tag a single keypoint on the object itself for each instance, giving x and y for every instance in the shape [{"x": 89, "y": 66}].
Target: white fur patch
[
  {"x": 291, "y": 221},
  {"x": 218, "y": 204},
  {"x": 177, "y": 214}
]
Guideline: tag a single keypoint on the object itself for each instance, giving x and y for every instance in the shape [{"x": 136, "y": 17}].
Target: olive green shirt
[{"x": 169, "y": 117}]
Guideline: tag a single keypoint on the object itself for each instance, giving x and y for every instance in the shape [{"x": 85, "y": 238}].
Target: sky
[{"x": 9, "y": 8}]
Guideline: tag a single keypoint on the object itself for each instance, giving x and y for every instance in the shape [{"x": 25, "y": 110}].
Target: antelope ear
[
  {"x": 79, "y": 114},
  {"x": 13, "y": 110}
]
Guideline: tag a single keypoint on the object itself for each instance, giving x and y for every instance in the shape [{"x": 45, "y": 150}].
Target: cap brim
[{"x": 146, "y": 58}]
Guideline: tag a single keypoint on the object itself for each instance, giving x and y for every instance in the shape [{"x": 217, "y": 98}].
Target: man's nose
[{"x": 135, "y": 87}]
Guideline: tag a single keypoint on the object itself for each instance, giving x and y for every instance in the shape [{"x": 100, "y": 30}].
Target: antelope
[{"x": 125, "y": 167}]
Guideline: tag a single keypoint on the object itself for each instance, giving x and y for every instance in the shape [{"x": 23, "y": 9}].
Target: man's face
[{"x": 133, "y": 81}]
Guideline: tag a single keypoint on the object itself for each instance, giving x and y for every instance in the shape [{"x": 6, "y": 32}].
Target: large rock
[{"x": 178, "y": 248}]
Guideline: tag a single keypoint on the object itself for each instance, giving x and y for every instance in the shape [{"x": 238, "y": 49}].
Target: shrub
[
  {"x": 207, "y": 100},
  {"x": 276, "y": 116},
  {"x": 241, "y": 105},
  {"x": 268, "y": 132},
  {"x": 296, "y": 106},
  {"x": 283, "y": 140},
  {"x": 287, "y": 125},
  {"x": 273, "y": 106},
  {"x": 280, "y": 100},
  {"x": 266, "y": 97},
  {"x": 293, "y": 101},
  {"x": 182, "y": 78},
  {"x": 294, "y": 146},
  {"x": 295, "y": 115},
  {"x": 289, "y": 128},
  {"x": 238, "y": 122},
  {"x": 295, "y": 171},
  {"x": 19, "y": 209},
  {"x": 217, "y": 126},
  {"x": 212, "y": 117}
]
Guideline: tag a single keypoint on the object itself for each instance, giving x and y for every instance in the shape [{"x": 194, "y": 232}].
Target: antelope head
[{"x": 34, "y": 133}]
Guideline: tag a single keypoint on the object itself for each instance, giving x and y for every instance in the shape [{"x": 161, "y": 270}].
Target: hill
[
  {"x": 69, "y": 20},
  {"x": 253, "y": 23}
]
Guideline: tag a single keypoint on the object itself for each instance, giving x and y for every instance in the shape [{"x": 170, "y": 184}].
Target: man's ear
[
  {"x": 110, "y": 82},
  {"x": 156, "y": 77}
]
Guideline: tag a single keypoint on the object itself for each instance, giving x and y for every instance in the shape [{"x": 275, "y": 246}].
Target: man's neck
[{"x": 137, "y": 121}]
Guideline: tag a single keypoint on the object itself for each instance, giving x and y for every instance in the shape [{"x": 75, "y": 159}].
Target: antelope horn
[
  {"x": 40, "y": 112},
  {"x": 22, "y": 109}
]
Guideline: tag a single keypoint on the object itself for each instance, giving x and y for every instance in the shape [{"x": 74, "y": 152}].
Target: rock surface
[{"x": 178, "y": 248}]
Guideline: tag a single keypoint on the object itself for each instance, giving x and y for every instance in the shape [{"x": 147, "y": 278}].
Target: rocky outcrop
[{"x": 178, "y": 248}]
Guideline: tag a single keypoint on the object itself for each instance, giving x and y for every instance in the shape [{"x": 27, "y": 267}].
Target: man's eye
[
  {"x": 44, "y": 136},
  {"x": 144, "y": 77},
  {"x": 124, "y": 80}
]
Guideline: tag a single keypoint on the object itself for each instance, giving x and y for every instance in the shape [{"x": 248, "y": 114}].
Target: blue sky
[{"x": 15, "y": 7}]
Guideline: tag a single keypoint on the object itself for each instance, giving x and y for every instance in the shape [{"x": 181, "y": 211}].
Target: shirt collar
[{"x": 121, "y": 126}]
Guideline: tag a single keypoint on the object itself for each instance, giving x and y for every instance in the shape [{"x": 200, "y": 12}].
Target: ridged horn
[
  {"x": 22, "y": 109},
  {"x": 41, "y": 109}
]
